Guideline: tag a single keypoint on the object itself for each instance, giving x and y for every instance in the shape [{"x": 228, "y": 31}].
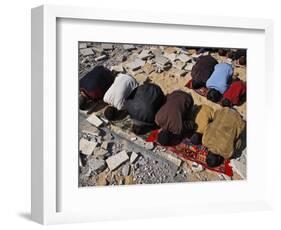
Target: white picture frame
[{"x": 45, "y": 91}]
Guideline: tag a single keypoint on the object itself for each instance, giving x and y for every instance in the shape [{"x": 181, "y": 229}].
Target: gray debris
[
  {"x": 134, "y": 157},
  {"x": 129, "y": 47},
  {"x": 126, "y": 170},
  {"x": 97, "y": 165},
  {"x": 87, "y": 147},
  {"x": 102, "y": 57},
  {"x": 82, "y": 45},
  {"x": 105, "y": 145},
  {"x": 117, "y": 68},
  {"x": 135, "y": 65},
  {"x": 87, "y": 51},
  {"x": 188, "y": 66},
  {"x": 184, "y": 58},
  {"x": 149, "y": 145},
  {"x": 145, "y": 54},
  {"x": 94, "y": 120},
  {"x": 100, "y": 152},
  {"x": 116, "y": 160},
  {"x": 106, "y": 46},
  {"x": 161, "y": 60}
]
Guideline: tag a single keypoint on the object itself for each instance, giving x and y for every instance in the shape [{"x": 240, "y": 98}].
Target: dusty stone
[
  {"x": 97, "y": 165},
  {"x": 116, "y": 160},
  {"x": 171, "y": 50},
  {"x": 87, "y": 51},
  {"x": 184, "y": 58},
  {"x": 172, "y": 56},
  {"x": 94, "y": 120},
  {"x": 126, "y": 170},
  {"x": 105, "y": 145},
  {"x": 188, "y": 66},
  {"x": 239, "y": 167},
  {"x": 179, "y": 65},
  {"x": 156, "y": 51},
  {"x": 106, "y": 46},
  {"x": 149, "y": 145},
  {"x": 134, "y": 156},
  {"x": 82, "y": 45},
  {"x": 138, "y": 63},
  {"x": 102, "y": 57},
  {"x": 129, "y": 47},
  {"x": 145, "y": 54},
  {"x": 105, "y": 121},
  {"x": 87, "y": 147},
  {"x": 100, "y": 152},
  {"x": 161, "y": 60},
  {"x": 117, "y": 68}
]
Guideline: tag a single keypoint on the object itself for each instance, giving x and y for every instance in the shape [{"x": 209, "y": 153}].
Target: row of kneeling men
[{"x": 175, "y": 114}]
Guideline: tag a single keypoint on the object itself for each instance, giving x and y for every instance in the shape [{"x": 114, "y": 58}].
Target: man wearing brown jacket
[
  {"x": 172, "y": 117},
  {"x": 221, "y": 136},
  {"x": 203, "y": 116}
]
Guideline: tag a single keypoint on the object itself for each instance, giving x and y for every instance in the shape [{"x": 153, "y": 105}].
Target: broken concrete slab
[
  {"x": 105, "y": 145},
  {"x": 97, "y": 165},
  {"x": 144, "y": 54},
  {"x": 179, "y": 65},
  {"x": 135, "y": 65},
  {"x": 106, "y": 46},
  {"x": 126, "y": 170},
  {"x": 87, "y": 51},
  {"x": 134, "y": 156},
  {"x": 100, "y": 152},
  {"x": 87, "y": 147},
  {"x": 94, "y": 120},
  {"x": 161, "y": 60},
  {"x": 100, "y": 58},
  {"x": 129, "y": 47},
  {"x": 82, "y": 45},
  {"x": 148, "y": 145},
  {"x": 117, "y": 68},
  {"x": 171, "y": 50},
  {"x": 116, "y": 160},
  {"x": 184, "y": 58},
  {"x": 105, "y": 121},
  {"x": 172, "y": 57},
  {"x": 189, "y": 66}
]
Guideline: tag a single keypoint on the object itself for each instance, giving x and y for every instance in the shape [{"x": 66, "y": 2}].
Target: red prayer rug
[{"x": 197, "y": 153}]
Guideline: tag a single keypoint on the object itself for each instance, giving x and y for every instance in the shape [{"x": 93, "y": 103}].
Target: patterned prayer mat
[{"x": 197, "y": 153}]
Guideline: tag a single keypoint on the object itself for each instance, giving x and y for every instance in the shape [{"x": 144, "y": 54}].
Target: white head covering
[{"x": 121, "y": 88}]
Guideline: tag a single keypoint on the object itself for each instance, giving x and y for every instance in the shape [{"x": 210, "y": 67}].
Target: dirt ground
[{"x": 168, "y": 168}]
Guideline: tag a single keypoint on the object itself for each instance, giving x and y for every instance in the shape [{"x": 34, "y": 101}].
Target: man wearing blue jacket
[{"x": 219, "y": 81}]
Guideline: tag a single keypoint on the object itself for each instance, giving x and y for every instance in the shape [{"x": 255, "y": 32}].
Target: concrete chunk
[
  {"x": 145, "y": 54},
  {"x": 188, "y": 66},
  {"x": 87, "y": 51},
  {"x": 161, "y": 60},
  {"x": 87, "y": 147},
  {"x": 184, "y": 58},
  {"x": 82, "y": 45},
  {"x": 117, "y": 68},
  {"x": 106, "y": 46},
  {"x": 126, "y": 170},
  {"x": 129, "y": 47},
  {"x": 94, "y": 120},
  {"x": 100, "y": 152},
  {"x": 116, "y": 160},
  {"x": 134, "y": 157},
  {"x": 102, "y": 57},
  {"x": 105, "y": 145},
  {"x": 97, "y": 165},
  {"x": 138, "y": 63}
]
